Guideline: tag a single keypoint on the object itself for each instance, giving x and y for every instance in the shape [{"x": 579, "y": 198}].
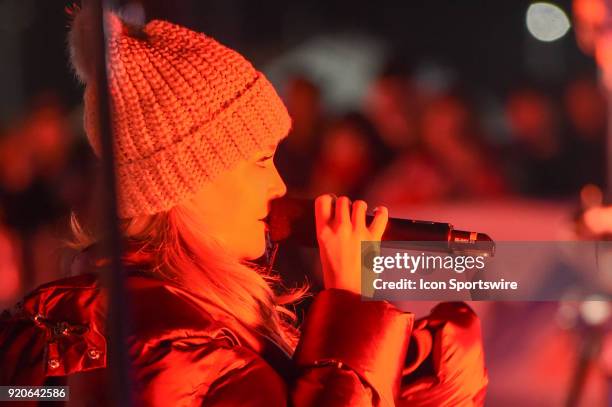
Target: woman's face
[{"x": 231, "y": 209}]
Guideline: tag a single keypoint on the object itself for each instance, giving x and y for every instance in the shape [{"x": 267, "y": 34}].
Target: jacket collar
[{"x": 71, "y": 314}]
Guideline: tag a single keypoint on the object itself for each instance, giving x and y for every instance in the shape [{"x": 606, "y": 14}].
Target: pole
[{"x": 118, "y": 370}]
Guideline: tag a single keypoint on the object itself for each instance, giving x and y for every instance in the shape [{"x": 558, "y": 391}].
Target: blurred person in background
[
  {"x": 448, "y": 162},
  {"x": 452, "y": 136},
  {"x": 586, "y": 112},
  {"x": 393, "y": 104},
  {"x": 351, "y": 154},
  {"x": 539, "y": 162},
  {"x": 195, "y": 128},
  {"x": 34, "y": 156},
  {"x": 35, "y": 146},
  {"x": 295, "y": 156}
]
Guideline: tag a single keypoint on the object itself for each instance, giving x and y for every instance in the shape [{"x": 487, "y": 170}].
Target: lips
[{"x": 267, "y": 217}]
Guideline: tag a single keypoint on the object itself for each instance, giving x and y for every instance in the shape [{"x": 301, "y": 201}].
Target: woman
[{"x": 195, "y": 129}]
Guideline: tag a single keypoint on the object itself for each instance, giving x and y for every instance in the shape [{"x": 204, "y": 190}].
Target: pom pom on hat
[{"x": 81, "y": 35}]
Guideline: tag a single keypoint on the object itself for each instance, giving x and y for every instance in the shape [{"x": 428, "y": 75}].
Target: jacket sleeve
[
  {"x": 351, "y": 353},
  {"x": 358, "y": 345},
  {"x": 445, "y": 364}
]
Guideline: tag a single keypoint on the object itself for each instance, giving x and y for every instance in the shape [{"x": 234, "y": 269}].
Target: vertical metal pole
[{"x": 118, "y": 368}]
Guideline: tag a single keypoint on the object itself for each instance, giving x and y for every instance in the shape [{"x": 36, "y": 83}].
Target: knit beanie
[{"x": 184, "y": 109}]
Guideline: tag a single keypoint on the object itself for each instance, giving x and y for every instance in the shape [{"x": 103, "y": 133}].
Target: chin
[
  {"x": 255, "y": 252},
  {"x": 256, "y": 247}
]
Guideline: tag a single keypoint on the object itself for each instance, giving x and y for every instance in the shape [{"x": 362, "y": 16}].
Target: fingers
[
  {"x": 358, "y": 217},
  {"x": 346, "y": 213},
  {"x": 379, "y": 224},
  {"x": 342, "y": 214},
  {"x": 323, "y": 210}
]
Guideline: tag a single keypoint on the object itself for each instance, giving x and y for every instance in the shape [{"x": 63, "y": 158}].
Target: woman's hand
[{"x": 340, "y": 231}]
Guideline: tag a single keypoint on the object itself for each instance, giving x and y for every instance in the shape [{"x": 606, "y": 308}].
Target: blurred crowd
[
  {"x": 412, "y": 145},
  {"x": 46, "y": 169},
  {"x": 409, "y": 144}
]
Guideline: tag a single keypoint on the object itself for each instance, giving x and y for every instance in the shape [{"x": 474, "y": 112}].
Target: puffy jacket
[{"x": 185, "y": 352}]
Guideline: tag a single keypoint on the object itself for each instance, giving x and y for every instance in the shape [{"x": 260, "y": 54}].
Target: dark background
[{"x": 486, "y": 42}]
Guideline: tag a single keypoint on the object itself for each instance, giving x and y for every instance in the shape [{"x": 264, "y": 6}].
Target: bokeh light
[
  {"x": 595, "y": 310},
  {"x": 547, "y": 22}
]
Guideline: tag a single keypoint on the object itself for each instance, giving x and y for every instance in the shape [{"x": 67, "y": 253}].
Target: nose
[{"x": 278, "y": 187}]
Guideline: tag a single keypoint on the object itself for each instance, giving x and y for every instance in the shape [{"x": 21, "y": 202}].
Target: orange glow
[
  {"x": 9, "y": 268},
  {"x": 591, "y": 196},
  {"x": 589, "y": 16},
  {"x": 599, "y": 220}
]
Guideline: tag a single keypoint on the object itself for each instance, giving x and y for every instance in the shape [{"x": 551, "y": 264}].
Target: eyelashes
[{"x": 264, "y": 161}]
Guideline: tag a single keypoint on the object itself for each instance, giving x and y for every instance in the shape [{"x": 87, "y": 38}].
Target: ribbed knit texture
[{"x": 184, "y": 109}]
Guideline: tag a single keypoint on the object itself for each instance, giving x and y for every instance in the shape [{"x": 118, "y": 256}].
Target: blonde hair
[{"x": 172, "y": 246}]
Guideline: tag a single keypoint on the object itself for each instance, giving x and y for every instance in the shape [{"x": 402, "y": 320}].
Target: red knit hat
[{"x": 184, "y": 109}]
